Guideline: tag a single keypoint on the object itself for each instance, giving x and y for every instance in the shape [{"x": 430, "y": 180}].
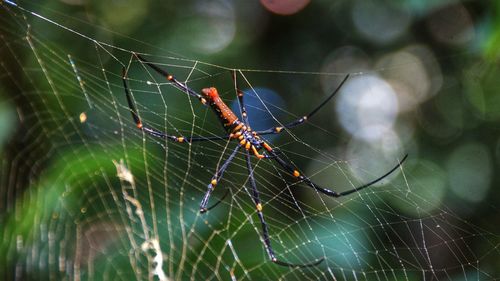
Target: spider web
[{"x": 87, "y": 196}]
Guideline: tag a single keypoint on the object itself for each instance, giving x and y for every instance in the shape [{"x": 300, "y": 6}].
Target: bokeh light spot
[
  {"x": 367, "y": 107},
  {"x": 368, "y": 161},
  {"x": 123, "y": 15},
  {"x": 426, "y": 188},
  {"x": 346, "y": 59},
  {"x": 452, "y": 25},
  {"x": 284, "y": 7},
  {"x": 380, "y": 24},
  {"x": 470, "y": 171},
  {"x": 481, "y": 82},
  {"x": 261, "y": 104},
  {"x": 217, "y": 26},
  {"x": 414, "y": 73}
]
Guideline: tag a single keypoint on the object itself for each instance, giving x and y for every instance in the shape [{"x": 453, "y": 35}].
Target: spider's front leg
[
  {"x": 303, "y": 119},
  {"x": 152, "y": 131}
]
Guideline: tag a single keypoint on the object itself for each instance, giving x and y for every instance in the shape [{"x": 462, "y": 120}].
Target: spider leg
[
  {"x": 240, "y": 95},
  {"x": 289, "y": 167},
  {"x": 219, "y": 201},
  {"x": 265, "y": 231},
  {"x": 179, "y": 85},
  {"x": 303, "y": 119},
  {"x": 152, "y": 131},
  {"x": 215, "y": 179}
]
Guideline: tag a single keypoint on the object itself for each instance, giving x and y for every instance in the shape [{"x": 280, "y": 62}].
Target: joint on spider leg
[
  {"x": 203, "y": 100},
  {"x": 213, "y": 183},
  {"x": 139, "y": 125},
  {"x": 296, "y": 174},
  {"x": 248, "y": 145},
  {"x": 278, "y": 129},
  {"x": 267, "y": 146},
  {"x": 259, "y": 207},
  {"x": 244, "y": 114},
  {"x": 237, "y": 128},
  {"x": 243, "y": 141},
  {"x": 237, "y": 135},
  {"x": 180, "y": 139},
  {"x": 240, "y": 92},
  {"x": 256, "y": 153},
  {"x": 124, "y": 73},
  {"x": 304, "y": 118}
]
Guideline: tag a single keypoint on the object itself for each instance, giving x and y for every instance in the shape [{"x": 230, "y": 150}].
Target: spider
[{"x": 247, "y": 139}]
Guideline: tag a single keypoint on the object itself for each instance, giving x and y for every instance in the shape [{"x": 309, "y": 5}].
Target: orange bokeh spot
[{"x": 284, "y": 7}]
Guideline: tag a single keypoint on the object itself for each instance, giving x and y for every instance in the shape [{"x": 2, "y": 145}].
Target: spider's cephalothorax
[
  {"x": 225, "y": 114},
  {"x": 248, "y": 139}
]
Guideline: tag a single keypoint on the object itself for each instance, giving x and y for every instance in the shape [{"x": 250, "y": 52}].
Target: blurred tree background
[{"x": 424, "y": 81}]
